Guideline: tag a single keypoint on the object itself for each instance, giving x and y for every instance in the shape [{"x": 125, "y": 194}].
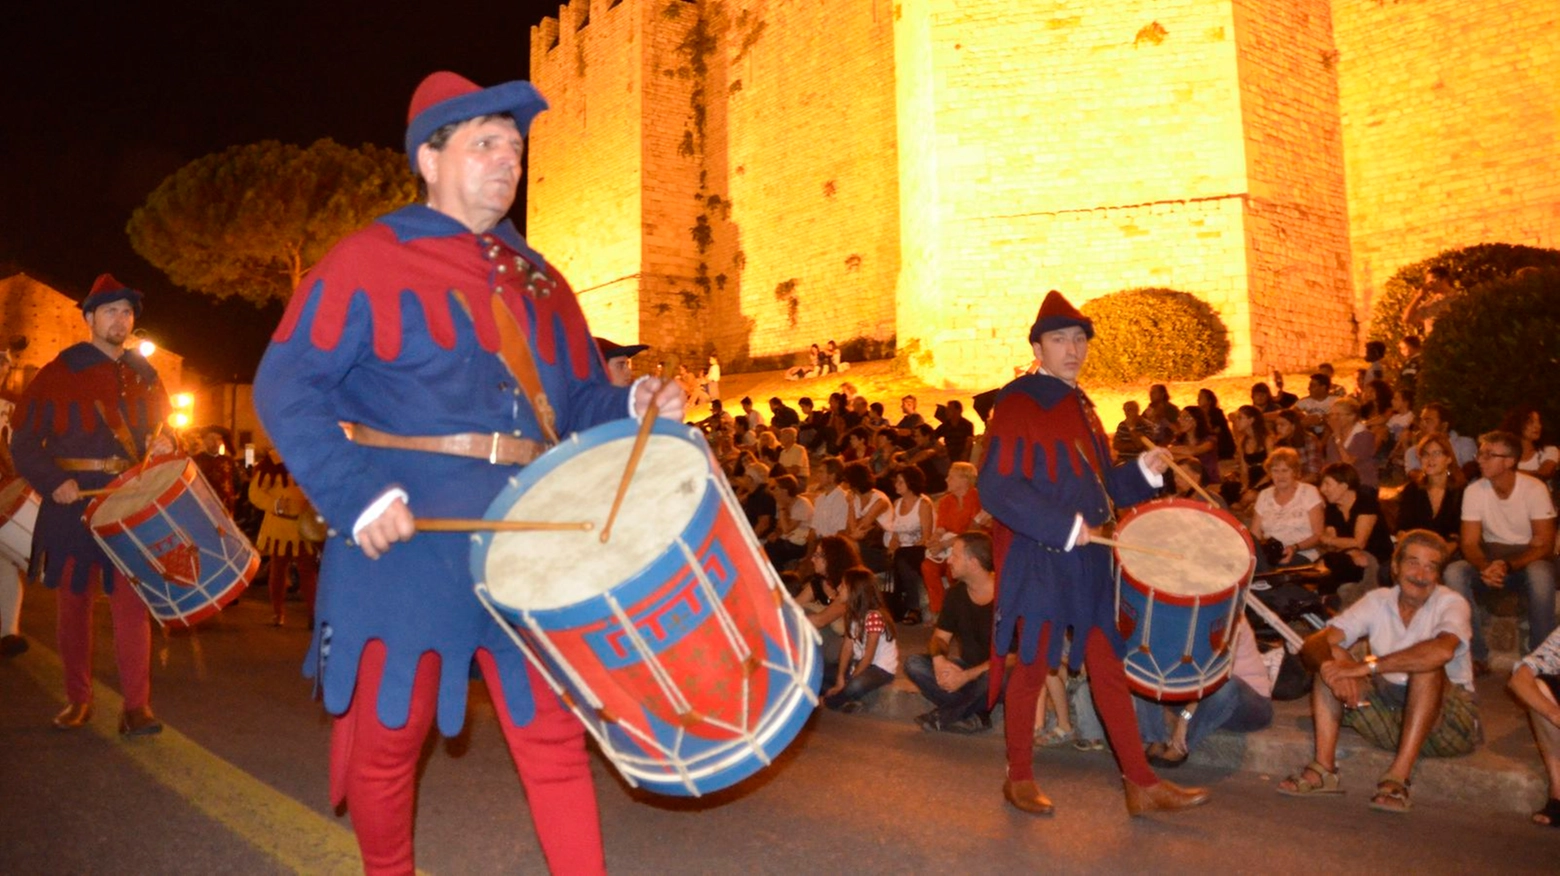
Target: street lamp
[
  {"x": 145, "y": 346},
  {"x": 183, "y": 409}
]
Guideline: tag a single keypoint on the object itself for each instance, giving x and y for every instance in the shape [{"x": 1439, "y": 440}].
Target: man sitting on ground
[
  {"x": 1413, "y": 694},
  {"x": 782, "y": 414},
  {"x": 1508, "y": 540},
  {"x": 956, "y": 679}
]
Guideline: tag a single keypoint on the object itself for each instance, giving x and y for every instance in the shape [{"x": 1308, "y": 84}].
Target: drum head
[
  {"x": 138, "y": 492},
  {"x": 536, "y": 571},
  {"x": 1215, "y": 555}
]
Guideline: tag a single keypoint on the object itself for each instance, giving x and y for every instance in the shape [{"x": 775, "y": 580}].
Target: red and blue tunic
[
  {"x": 375, "y": 335},
  {"x": 1048, "y": 463},
  {"x": 74, "y": 409}
]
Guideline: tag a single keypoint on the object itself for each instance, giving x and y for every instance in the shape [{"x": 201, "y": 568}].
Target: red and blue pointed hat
[
  {"x": 1056, "y": 312},
  {"x": 444, "y": 98},
  {"x": 107, "y": 289}
]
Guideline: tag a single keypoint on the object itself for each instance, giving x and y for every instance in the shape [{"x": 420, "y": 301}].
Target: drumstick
[
  {"x": 1176, "y": 467},
  {"x": 640, "y": 440},
  {"x": 87, "y": 494},
  {"x": 456, "y": 524},
  {"x": 1140, "y": 548}
]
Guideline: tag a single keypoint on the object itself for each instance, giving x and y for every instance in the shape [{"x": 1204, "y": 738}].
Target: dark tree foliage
[
  {"x": 249, "y": 221},
  {"x": 1496, "y": 347},
  {"x": 1157, "y": 333}
]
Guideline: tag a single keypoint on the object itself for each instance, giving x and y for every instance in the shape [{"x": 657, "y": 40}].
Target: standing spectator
[
  {"x": 908, "y": 526},
  {"x": 712, "y": 379},
  {"x": 956, "y": 433},
  {"x": 831, "y": 507},
  {"x": 90, "y": 413},
  {"x": 273, "y": 491},
  {"x": 1349, "y": 441},
  {"x": 1537, "y": 458},
  {"x": 1290, "y": 511},
  {"x": 1413, "y": 693},
  {"x": 218, "y": 467},
  {"x": 1508, "y": 540},
  {"x": 869, "y": 656},
  {"x": 957, "y": 512},
  {"x": 1434, "y": 502},
  {"x": 1535, "y": 682},
  {"x": 1430, "y": 301},
  {"x": 954, "y": 674}
]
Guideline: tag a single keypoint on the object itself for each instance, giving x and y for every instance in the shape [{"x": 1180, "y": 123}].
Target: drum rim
[
  {"x": 144, "y": 513},
  {"x": 1177, "y": 599},
  {"x": 22, "y": 496}
]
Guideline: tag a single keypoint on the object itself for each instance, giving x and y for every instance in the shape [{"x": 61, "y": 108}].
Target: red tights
[
  {"x": 374, "y": 768},
  {"x": 1112, "y": 700},
  {"x": 308, "y": 581}
]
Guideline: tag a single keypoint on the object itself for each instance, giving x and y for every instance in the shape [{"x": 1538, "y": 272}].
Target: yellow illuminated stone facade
[{"x": 747, "y": 177}]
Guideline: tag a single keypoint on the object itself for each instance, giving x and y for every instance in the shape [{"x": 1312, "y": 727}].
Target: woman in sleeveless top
[
  {"x": 907, "y": 527},
  {"x": 865, "y": 505}
]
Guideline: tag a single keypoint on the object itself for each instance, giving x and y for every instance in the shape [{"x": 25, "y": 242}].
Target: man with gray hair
[{"x": 1413, "y": 692}]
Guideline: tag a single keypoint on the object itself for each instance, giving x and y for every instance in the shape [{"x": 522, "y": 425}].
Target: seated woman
[
  {"x": 808, "y": 368},
  {"x": 1537, "y": 458},
  {"x": 793, "y": 525},
  {"x": 857, "y": 445},
  {"x": 1244, "y": 704},
  {"x": 1288, "y": 431},
  {"x": 1193, "y": 440},
  {"x": 1252, "y": 446},
  {"x": 1218, "y": 423},
  {"x": 1435, "y": 501},
  {"x": 1353, "y": 534},
  {"x": 864, "y": 506},
  {"x": 1290, "y": 510},
  {"x": 1349, "y": 441},
  {"x": 957, "y": 512},
  {"x": 868, "y": 656},
  {"x": 908, "y": 525},
  {"x": 823, "y": 597}
]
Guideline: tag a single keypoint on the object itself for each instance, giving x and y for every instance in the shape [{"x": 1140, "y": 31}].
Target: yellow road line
[{"x": 296, "y": 836}]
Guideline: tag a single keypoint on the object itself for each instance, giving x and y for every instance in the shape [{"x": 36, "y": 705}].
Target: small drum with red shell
[
  {"x": 18, "y": 516},
  {"x": 167, "y": 532},
  {"x": 675, "y": 643},
  {"x": 1177, "y": 613}
]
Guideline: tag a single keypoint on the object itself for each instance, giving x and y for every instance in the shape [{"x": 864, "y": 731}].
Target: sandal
[
  {"x": 1089, "y": 744},
  {"x": 1053, "y": 737},
  {"x": 1327, "y": 783},
  {"x": 1164, "y": 756},
  {"x": 1391, "y": 796},
  {"x": 1550, "y": 813}
]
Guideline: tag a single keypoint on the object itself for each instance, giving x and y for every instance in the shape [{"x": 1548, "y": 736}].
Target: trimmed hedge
[
  {"x": 1496, "y": 347},
  {"x": 1469, "y": 266},
  {"x": 1154, "y": 333}
]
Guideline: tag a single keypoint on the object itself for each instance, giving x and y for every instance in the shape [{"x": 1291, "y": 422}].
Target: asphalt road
[{"x": 238, "y": 785}]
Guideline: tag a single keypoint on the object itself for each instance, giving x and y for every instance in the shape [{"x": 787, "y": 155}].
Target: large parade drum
[
  {"x": 167, "y": 532},
  {"x": 18, "y": 516},
  {"x": 675, "y": 643},
  {"x": 1177, "y": 613}
]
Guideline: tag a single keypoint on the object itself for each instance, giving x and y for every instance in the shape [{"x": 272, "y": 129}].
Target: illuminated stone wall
[{"x": 1451, "y": 128}]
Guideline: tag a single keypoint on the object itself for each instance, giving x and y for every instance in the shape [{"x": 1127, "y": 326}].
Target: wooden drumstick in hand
[
  {"x": 645, "y": 425},
  {"x": 456, "y": 524},
  {"x": 1176, "y": 467},
  {"x": 1133, "y": 546}
]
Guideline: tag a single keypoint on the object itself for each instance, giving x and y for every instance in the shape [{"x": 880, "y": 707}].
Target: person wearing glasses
[{"x": 1508, "y": 541}]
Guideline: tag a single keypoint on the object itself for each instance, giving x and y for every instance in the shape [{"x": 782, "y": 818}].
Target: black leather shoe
[
  {"x": 139, "y": 722},
  {"x": 73, "y": 716},
  {"x": 1162, "y": 797},
  {"x": 1026, "y": 796}
]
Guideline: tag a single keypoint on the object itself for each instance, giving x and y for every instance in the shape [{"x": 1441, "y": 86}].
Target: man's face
[
  {"x": 474, "y": 177},
  {"x": 1061, "y": 353},
  {"x": 1430, "y": 421},
  {"x": 959, "y": 562},
  {"x": 111, "y": 323},
  {"x": 212, "y": 442},
  {"x": 1318, "y": 390},
  {"x": 1495, "y": 459},
  {"x": 619, "y": 372},
  {"x": 1418, "y": 572},
  {"x": 859, "y": 406},
  {"x": 907, "y": 405}
]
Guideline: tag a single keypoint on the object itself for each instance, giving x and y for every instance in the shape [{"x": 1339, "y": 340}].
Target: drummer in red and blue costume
[
  {"x": 394, "y": 332},
  {"x": 88, "y": 416},
  {"x": 1048, "y": 480}
]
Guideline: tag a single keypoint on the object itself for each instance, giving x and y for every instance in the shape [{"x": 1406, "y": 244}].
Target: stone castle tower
[{"x": 746, "y": 177}]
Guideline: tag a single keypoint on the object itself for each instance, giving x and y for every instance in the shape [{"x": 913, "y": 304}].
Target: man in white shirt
[
  {"x": 1317, "y": 403},
  {"x": 1412, "y": 694},
  {"x": 794, "y": 456},
  {"x": 831, "y": 506},
  {"x": 755, "y": 416},
  {"x": 1508, "y": 540}
]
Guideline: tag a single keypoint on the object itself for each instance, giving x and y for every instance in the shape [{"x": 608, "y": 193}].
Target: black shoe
[
  {"x": 11, "y": 646},
  {"x": 912, "y": 619}
]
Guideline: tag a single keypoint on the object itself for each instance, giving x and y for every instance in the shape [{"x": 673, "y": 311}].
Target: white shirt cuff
[
  {"x": 1155, "y": 479},
  {"x": 1072, "y": 538},
  {"x": 632, "y": 389},
  {"x": 377, "y": 507}
]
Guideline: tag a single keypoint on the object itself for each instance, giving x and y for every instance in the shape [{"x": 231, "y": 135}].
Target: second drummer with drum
[
  {"x": 1049, "y": 482},
  {"x": 458, "y": 353}
]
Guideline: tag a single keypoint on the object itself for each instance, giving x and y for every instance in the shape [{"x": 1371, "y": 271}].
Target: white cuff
[
  {"x": 632, "y": 389},
  {"x": 377, "y": 507},
  {"x": 1072, "y": 538},
  {"x": 1155, "y": 479}
]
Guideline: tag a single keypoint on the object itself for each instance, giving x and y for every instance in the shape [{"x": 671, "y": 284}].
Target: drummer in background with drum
[
  {"x": 1048, "y": 481},
  {"x": 274, "y": 492},
  {"x": 88, "y": 416},
  {"x": 398, "y": 332}
]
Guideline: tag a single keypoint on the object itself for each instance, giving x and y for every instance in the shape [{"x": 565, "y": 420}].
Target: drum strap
[
  {"x": 515, "y": 350},
  {"x": 121, "y": 432}
]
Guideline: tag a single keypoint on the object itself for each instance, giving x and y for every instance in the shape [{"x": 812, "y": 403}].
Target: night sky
[{"x": 102, "y": 101}]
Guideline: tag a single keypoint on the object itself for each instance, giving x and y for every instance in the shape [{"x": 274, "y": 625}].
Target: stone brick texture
[{"x": 746, "y": 177}]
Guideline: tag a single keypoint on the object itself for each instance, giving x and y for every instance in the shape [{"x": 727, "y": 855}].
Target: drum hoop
[
  {"x": 1177, "y": 599},
  {"x": 178, "y": 487},
  {"x": 23, "y": 495}
]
